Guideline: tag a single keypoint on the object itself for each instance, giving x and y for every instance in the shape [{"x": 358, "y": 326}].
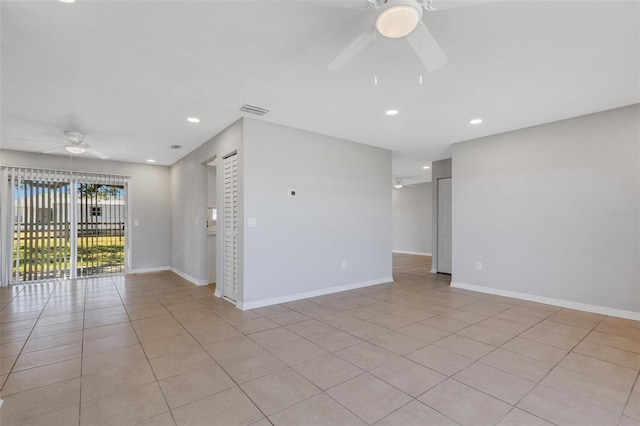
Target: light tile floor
[{"x": 153, "y": 349}]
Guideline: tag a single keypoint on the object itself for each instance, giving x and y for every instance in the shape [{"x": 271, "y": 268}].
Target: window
[{"x": 96, "y": 211}]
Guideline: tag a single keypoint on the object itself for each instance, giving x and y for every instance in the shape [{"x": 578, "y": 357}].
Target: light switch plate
[{"x": 252, "y": 222}]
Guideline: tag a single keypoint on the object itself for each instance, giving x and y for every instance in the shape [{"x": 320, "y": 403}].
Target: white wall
[
  {"x": 342, "y": 212},
  {"x": 533, "y": 205},
  {"x": 189, "y": 206},
  {"x": 412, "y": 218},
  {"x": 148, "y": 197}
]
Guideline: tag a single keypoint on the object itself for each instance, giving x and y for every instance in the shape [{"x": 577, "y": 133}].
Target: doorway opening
[
  {"x": 444, "y": 226},
  {"x": 212, "y": 221}
]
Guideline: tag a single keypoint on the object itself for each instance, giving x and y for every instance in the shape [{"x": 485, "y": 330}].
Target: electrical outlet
[
  {"x": 344, "y": 264},
  {"x": 478, "y": 266}
]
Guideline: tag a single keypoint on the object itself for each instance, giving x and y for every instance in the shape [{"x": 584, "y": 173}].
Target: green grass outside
[{"x": 97, "y": 253}]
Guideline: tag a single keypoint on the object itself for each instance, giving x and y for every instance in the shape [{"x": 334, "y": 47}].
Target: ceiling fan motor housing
[{"x": 74, "y": 137}]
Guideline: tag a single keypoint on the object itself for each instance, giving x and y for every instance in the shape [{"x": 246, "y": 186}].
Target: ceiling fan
[
  {"x": 74, "y": 145},
  {"x": 400, "y": 183},
  {"x": 397, "y": 19}
]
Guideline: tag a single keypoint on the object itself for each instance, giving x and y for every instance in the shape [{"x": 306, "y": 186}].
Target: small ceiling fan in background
[
  {"x": 400, "y": 183},
  {"x": 74, "y": 144},
  {"x": 397, "y": 19}
]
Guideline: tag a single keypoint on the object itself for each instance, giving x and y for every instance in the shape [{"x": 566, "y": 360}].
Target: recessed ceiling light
[
  {"x": 392, "y": 112},
  {"x": 426, "y": 167},
  {"x": 476, "y": 121},
  {"x": 193, "y": 120},
  {"x": 151, "y": 161},
  {"x": 67, "y": 1}
]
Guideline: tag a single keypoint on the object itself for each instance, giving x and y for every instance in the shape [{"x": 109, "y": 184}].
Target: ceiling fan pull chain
[{"x": 375, "y": 57}]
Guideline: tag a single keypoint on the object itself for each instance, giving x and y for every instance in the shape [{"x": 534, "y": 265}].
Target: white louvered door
[{"x": 230, "y": 225}]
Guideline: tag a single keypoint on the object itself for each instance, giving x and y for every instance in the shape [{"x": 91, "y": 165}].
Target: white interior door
[
  {"x": 444, "y": 225},
  {"x": 230, "y": 225}
]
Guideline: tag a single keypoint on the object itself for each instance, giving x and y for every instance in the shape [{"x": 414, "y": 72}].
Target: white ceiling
[{"x": 129, "y": 73}]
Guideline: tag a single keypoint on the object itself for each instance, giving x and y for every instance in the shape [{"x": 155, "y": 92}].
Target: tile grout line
[
  {"x": 144, "y": 351},
  {"x": 202, "y": 347},
  {"x": 408, "y": 289},
  {"x": 553, "y": 368},
  {"x": 626, "y": 405},
  {"x": 55, "y": 284},
  {"x": 84, "y": 314},
  {"x": 513, "y": 406}
]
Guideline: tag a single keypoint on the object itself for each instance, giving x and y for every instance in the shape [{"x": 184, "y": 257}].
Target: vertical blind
[{"x": 57, "y": 223}]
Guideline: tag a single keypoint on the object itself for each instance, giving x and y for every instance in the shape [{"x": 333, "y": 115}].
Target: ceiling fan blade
[
  {"x": 36, "y": 140},
  {"x": 356, "y": 46},
  {"x": 49, "y": 151},
  {"x": 452, "y": 4},
  {"x": 97, "y": 153},
  {"x": 427, "y": 48}
]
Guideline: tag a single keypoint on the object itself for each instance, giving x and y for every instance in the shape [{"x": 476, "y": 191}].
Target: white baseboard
[
  {"x": 147, "y": 270},
  {"x": 620, "y": 313},
  {"x": 417, "y": 253},
  {"x": 189, "y": 278},
  {"x": 433, "y": 271},
  {"x": 308, "y": 294},
  {"x": 217, "y": 292}
]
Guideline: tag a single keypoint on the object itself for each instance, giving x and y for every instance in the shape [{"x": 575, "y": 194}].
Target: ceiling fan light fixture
[
  {"x": 75, "y": 149},
  {"x": 398, "y": 185},
  {"x": 399, "y": 20}
]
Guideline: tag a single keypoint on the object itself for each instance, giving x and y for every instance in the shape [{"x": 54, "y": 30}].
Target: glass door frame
[{"x": 73, "y": 225}]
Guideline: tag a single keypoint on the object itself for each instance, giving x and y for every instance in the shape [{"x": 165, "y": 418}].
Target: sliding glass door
[
  {"x": 41, "y": 248},
  {"x": 101, "y": 239},
  {"x": 63, "y": 224}
]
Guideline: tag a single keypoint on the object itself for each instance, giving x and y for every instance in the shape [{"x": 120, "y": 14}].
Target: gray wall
[
  {"x": 439, "y": 170},
  {"x": 412, "y": 218},
  {"x": 342, "y": 211},
  {"x": 535, "y": 206},
  {"x": 189, "y": 206},
  {"x": 148, "y": 197},
  {"x": 211, "y": 186}
]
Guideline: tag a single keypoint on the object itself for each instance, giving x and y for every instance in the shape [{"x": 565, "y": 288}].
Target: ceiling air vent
[
  {"x": 175, "y": 146},
  {"x": 251, "y": 109}
]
